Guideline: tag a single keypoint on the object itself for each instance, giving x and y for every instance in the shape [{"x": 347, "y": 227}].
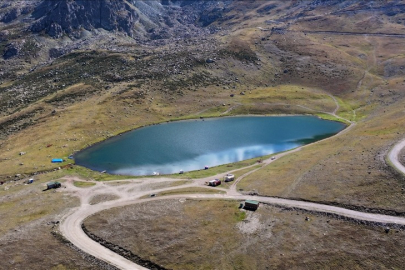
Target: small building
[
  {"x": 229, "y": 177},
  {"x": 57, "y": 160},
  {"x": 251, "y": 205},
  {"x": 30, "y": 181},
  {"x": 52, "y": 185},
  {"x": 214, "y": 183}
]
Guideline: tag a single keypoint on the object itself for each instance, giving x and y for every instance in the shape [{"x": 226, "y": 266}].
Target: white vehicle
[{"x": 229, "y": 177}]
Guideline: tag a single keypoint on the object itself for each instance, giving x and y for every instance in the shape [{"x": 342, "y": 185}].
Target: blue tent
[{"x": 57, "y": 160}]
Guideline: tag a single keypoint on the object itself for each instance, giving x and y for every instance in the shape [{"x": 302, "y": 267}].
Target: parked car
[
  {"x": 229, "y": 177},
  {"x": 214, "y": 183}
]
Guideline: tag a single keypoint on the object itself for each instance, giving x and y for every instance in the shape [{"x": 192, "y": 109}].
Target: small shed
[
  {"x": 251, "y": 205},
  {"x": 52, "y": 185},
  {"x": 57, "y": 160}
]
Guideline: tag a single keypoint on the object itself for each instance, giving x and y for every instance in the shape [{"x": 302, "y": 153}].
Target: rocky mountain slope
[
  {"x": 151, "y": 61},
  {"x": 74, "y": 73},
  {"x": 135, "y": 18}
]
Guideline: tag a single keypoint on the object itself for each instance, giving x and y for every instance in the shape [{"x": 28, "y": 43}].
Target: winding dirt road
[
  {"x": 131, "y": 192},
  {"x": 71, "y": 226},
  {"x": 394, "y": 154}
]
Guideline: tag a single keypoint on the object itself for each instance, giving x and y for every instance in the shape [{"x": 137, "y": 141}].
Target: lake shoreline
[{"x": 262, "y": 135}]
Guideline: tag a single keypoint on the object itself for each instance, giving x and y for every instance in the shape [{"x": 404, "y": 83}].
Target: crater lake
[{"x": 193, "y": 144}]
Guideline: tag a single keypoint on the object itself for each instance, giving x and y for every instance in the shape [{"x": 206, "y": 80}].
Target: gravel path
[
  {"x": 71, "y": 225},
  {"x": 131, "y": 193},
  {"x": 393, "y": 156}
]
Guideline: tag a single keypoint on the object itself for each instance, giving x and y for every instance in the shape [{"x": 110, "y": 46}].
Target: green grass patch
[
  {"x": 218, "y": 169},
  {"x": 214, "y": 112},
  {"x": 239, "y": 216},
  {"x": 243, "y": 171},
  {"x": 237, "y": 174},
  {"x": 179, "y": 183},
  {"x": 83, "y": 184},
  {"x": 88, "y": 174},
  {"x": 330, "y": 117},
  {"x": 346, "y": 110}
]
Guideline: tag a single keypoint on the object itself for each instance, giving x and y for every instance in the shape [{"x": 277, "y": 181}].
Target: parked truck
[
  {"x": 251, "y": 205},
  {"x": 52, "y": 185}
]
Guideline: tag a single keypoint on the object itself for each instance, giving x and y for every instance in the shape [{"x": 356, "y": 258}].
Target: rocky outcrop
[
  {"x": 57, "y": 52},
  {"x": 4, "y": 35},
  {"x": 65, "y": 16},
  {"x": 13, "y": 49},
  {"x": 10, "y": 12},
  {"x": 210, "y": 16},
  {"x": 10, "y": 16},
  {"x": 135, "y": 18}
]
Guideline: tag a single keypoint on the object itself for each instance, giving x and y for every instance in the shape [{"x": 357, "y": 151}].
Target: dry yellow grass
[
  {"x": 349, "y": 169},
  {"x": 21, "y": 204},
  {"x": 346, "y": 169},
  {"x": 76, "y": 126},
  {"x": 195, "y": 234}
]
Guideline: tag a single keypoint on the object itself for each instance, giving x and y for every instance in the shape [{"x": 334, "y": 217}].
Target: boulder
[
  {"x": 56, "y": 52},
  {"x": 13, "y": 49},
  {"x": 4, "y": 35},
  {"x": 11, "y": 15},
  {"x": 55, "y": 30}
]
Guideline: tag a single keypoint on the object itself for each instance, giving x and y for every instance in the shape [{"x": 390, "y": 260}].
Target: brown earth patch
[{"x": 191, "y": 234}]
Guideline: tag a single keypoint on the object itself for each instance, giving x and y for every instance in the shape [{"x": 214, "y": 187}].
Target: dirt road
[
  {"x": 130, "y": 192},
  {"x": 393, "y": 156},
  {"x": 71, "y": 226}
]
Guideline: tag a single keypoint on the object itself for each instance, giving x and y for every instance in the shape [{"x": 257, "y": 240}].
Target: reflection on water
[
  {"x": 212, "y": 159},
  {"x": 191, "y": 145},
  {"x": 314, "y": 138}
]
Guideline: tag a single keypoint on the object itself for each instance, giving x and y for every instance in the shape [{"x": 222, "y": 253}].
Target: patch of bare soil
[
  {"x": 38, "y": 246},
  {"x": 251, "y": 224},
  {"x": 103, "y": 198},
  {"x": 192, "y": 234}
]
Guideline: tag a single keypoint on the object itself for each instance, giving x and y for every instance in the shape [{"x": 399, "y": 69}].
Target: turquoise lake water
[{"x": 191, "y": 145}]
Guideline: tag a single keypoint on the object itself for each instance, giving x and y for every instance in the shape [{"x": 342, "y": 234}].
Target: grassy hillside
[{"x": 341, "y": 62}]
